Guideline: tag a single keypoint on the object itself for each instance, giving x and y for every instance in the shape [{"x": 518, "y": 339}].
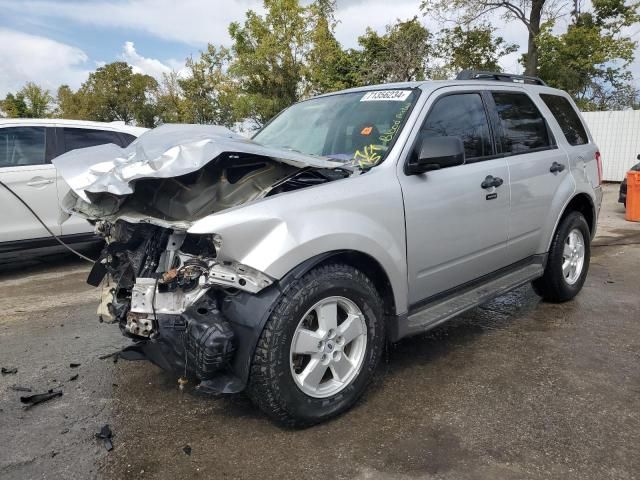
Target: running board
[{"x": 441, "y": 310}]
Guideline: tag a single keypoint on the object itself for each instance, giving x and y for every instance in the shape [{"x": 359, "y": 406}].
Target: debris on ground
[
  {"x": 187, "y": 449},
  {"x": 19, "y": 388},
  {"x": 74, "y": 365},
  {"x": 9, "y": 370},
  {"x": 32, "y": 400},
  {"x": 105, "y": 434},
  {"x": 75, "y": 377}
]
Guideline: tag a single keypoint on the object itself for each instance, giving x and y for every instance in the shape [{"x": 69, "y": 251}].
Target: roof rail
[{"x": 498, "y": 77}]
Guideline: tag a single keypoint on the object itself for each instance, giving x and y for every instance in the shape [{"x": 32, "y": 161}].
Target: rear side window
[
  {"x": 20, "y": 146},
  {"x": 567, "y": 118},
  {"x": 523, "y": 126},
  {"x": 461, "y": 115},
  {"x": 126, "y": 139},
  {"x": 86, "y": 137}
]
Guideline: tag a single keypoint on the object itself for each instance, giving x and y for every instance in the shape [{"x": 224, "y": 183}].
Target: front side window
[
  {"x": 357, "y": 128},
  {"x": 461, "y": 115},
  {"x": 523, "y": 126},
  {"x": 20, "y": 146},
  {"x": 567, "y": 118},
  {"x": 86, "y": 137}
]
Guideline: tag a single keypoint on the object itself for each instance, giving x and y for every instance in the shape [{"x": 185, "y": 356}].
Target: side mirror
[
  {"x": 436, "y": 153},
  {"x": 638, "y": 157}
]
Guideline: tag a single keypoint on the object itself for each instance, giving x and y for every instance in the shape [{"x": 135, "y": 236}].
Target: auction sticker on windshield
[{"x": 386, "y": 95}]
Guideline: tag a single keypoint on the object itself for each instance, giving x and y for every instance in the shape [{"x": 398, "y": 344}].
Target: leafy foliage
[
  {"x": 291, "y": 52},
  {"x": 591, "y": 59}
]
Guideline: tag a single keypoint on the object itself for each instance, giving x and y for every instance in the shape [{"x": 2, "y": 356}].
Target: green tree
[
  {"x": 529, "y": 12},
  {"x": 114, "y": 92},
  {"x": 329, "y": 67},
  {"x": 169, "y": 100},
  {"x": 473, "y": 48},
  {"x": 14, "y": 106},
  {"x": 207, "y": 91},
  {"x": 268, "y": 59},
  {"x": 399, "y": 55},
  {"x": 591, "y": 59},
  {"x": 71, "y": 105},
  {"x": 31, "y": 101}
]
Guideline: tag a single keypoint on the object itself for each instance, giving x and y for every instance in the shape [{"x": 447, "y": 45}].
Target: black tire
[
  {"x": 552, "y": 286},
  {"x": 271, "y": 384}
]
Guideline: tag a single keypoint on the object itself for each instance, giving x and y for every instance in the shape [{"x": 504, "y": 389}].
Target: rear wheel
[
  {"x": 568, "y": 260},
  {"x": 320, "y": 348}
]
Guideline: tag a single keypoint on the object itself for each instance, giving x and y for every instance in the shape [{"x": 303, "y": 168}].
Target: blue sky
[{"x": 60, "y": 41}]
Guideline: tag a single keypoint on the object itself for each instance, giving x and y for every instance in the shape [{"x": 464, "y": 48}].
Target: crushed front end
[{"x": 167, "y": 292}]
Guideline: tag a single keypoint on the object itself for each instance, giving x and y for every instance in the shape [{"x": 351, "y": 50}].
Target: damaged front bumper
[{"x": 184, "y": 310}]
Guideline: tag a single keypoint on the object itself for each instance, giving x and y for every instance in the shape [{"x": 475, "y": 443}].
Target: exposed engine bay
[{"x": 186, "y": 308}]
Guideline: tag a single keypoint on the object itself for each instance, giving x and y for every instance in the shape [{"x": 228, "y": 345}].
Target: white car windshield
[{"x": 357, "y": 128}]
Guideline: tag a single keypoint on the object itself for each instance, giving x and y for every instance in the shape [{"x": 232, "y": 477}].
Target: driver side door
[{"x": 456, "y": 228}]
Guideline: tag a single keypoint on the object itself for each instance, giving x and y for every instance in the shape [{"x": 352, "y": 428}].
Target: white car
[{"x": 26, "y": 149}]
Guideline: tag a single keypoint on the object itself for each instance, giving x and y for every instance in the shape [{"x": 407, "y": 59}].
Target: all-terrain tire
[
  {"x": 553, "y": 286},
  {"x": 271, "y": 383}
]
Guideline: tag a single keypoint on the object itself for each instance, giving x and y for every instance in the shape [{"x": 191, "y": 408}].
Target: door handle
[
  {"x": 556, "y": 167},
  {"x": 491, "y": 181},
  {"x": 39, "y": 183}
]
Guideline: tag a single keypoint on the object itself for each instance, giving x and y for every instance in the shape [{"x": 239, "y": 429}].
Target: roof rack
[{"x": 498, "y": 77}]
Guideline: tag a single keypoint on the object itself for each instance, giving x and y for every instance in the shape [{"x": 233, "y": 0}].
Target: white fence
[{"x": 618, "y": 137}]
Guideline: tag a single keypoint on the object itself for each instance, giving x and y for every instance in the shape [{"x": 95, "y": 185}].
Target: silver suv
[{"x": 282, "y": 264}]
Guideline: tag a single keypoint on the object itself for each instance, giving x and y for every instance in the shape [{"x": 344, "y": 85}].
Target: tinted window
[
  {"x": 86, "y": 137},
  {"x": 523, "y": 126},
  {"x": 567, "y": 118},
  {"x": 22, "y": 146},
  {"x": 463, "y": 116},
  {"x": 126, "y": 139}
]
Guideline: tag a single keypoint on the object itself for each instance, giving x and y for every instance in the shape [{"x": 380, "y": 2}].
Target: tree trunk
[{"x": 535, "y": 17}]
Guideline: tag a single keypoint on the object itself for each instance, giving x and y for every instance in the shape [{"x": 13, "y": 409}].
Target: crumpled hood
[{"x": 164, "y": 152}]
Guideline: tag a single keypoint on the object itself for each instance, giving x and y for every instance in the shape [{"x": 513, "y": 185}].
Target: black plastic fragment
[
  {"x": 32, "y": 400},
  {"x": 97, "y": 273},
  {"x": 75, "y": 377},
  {"x": 74, "y": 365},
  {"x": 9, "y": 370},
  {"x": 105, "y": 434},
  {"x": 187, "y": 449}
]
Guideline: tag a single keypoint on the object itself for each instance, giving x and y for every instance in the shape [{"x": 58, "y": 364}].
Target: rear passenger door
[
  {"x": 537, "y": 168},
  {"x": 456, "y": 227},
  {"x": 72, "y": 138},
  {"x": 25, "y": 167}
]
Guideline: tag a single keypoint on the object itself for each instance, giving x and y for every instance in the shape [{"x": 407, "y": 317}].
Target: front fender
[{"x": 276, "y": 234}]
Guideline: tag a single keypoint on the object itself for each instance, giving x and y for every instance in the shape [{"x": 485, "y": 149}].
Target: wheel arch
[{"x": 583, "y": 203}]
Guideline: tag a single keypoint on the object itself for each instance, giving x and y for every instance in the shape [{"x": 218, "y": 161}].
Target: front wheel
[
  {"x": 320, "y": 347},
  {"x": 568, "y": 260}
]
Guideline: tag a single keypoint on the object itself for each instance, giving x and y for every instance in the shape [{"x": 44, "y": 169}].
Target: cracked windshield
[{"x": 356, "y": 128}]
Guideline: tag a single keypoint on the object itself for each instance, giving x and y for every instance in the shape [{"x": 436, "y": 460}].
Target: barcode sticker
[{"x": 386, "y": 96}]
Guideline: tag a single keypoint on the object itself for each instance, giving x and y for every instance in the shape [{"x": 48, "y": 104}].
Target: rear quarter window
[{"x": 567, "y": 118}]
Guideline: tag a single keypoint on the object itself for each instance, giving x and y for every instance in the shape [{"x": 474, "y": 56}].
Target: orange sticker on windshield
[{"x": 366, "y": 131}]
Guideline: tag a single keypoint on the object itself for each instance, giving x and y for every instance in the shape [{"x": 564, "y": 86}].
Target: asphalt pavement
[{"x": 515, "y": 389}]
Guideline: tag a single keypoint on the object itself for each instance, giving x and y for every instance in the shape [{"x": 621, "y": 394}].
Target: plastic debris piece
[
  {"x": 74, "y": 365},
  {"x": 9, "y": 370},
  {"x": 105, "y": 434},
  {"x": 32, "y": 400},
  {"x": 75, "y": 377},
  {"x": 187, "y": 449}
]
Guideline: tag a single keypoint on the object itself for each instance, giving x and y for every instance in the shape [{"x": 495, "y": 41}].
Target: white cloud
[
  {"x": 193, "y": 22},
  {"x": 27, "y": 58},
  {"x": 140, "y": 64}
]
